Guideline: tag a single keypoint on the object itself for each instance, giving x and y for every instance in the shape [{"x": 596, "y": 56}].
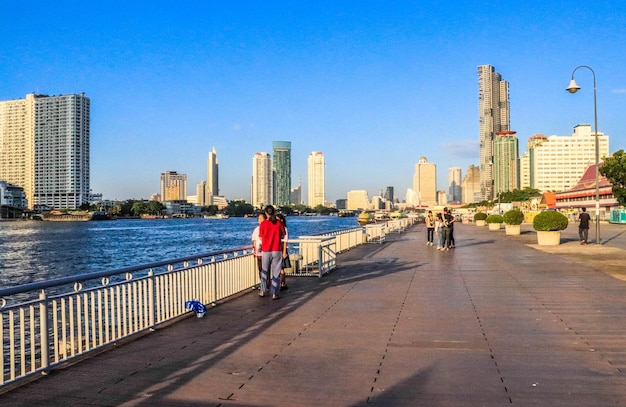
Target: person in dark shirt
[{"x": 583, "y": 226}]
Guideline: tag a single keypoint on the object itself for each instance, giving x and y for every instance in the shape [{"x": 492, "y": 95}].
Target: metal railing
[
  {"x": 375, "y": 233},
  {"x": 45, "y": 324}
]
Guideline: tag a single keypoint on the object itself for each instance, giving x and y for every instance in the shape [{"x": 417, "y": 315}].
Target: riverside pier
[{"x": 496, "y": 321}]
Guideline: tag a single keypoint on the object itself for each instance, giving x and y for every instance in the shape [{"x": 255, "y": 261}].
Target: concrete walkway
[{"x": 493, "y": 322}]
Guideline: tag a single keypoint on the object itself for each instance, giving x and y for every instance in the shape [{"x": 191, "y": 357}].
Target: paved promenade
[{"x": 494, "y": 322}]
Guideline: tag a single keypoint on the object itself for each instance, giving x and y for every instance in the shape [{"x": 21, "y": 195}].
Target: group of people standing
[
  {"x": 269, "y": 240},
  {"x": 440, "y": 226}
]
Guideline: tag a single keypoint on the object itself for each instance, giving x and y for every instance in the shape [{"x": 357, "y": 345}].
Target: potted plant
[
  {"x": 479, "y": 218},
  {"x": 548, "y": 225},
  {"x": 494, "y": 221},
  {"x": 512, "y": 221}
]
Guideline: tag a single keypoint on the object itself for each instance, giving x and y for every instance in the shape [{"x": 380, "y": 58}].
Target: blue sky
[{"x": 374, "y": 85}]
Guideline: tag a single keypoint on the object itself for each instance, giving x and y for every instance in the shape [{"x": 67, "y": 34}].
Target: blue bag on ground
[{"x": 197, "y": 307}]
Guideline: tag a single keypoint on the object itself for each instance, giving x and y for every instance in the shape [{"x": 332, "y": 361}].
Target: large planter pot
[
  {"x": 480, "y": 222},
  {"x": 495, "y": 226},
  {"x": 512, "y": 230},
  {"x": 549, "y": 238}
]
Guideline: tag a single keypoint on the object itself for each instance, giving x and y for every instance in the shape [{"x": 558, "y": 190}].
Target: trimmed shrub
[
  {"x": 550, "y": 221},
  {"x": 513, "y": 217},
  {"x": 494, "y": 218},
  {"x": 480, "y": 216}
]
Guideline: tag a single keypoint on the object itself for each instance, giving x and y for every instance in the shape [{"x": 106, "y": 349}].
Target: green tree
[
  {"x": 614, "y": 169},
  {"x": 300, "y": 208},
  {"x": 154, "y": 208},
  {"x": 239, "y": 208},
  {"x": 209, "y": 209},
  {"x": 139, "y": 208}
]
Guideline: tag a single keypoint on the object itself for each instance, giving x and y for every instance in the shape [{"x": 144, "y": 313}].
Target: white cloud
[
  {"x": 618, "y": 90},
  {"x": 463, "y": 149}
]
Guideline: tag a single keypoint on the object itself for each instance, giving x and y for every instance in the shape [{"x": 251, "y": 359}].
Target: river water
[{"x": 33, "y": 251}]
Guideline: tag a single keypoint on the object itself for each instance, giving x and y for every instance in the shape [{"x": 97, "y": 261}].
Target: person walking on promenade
[
  {"x": 439, "y": 231},
  {"x": 272, "y": 233},
  {"x": 430, "y": 228},
  {"x": 448, "y": 230},
  {"x": 451, "y": 221},
  {"x": 583, "y": 226},
  {"x": 283, "y": 282},
  {"x": 256, "y": 243}
]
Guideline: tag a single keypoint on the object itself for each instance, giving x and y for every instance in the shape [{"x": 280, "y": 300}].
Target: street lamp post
[{"x": 573, "y": 88}]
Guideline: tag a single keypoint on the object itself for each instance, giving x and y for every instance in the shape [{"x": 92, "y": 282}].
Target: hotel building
[
  {"x": 558, "y": 162},
  {"x": 173, "y": 186},
  {"x": 44, "y": 148}
]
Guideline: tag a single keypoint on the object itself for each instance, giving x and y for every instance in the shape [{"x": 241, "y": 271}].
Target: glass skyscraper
[{"x": 282, "y": 172}]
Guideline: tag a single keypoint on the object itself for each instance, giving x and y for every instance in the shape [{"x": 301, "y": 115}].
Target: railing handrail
[{"x": 78, "y": 278}]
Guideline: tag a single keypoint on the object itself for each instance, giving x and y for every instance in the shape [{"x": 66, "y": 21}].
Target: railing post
[
  {"x": 320, "y": 254},
  {"x": 43, "y": 329},
  {"x": 152, "y": 301}
]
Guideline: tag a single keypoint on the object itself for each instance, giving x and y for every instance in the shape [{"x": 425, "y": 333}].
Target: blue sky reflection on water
[{"x": 35, "y": 251}]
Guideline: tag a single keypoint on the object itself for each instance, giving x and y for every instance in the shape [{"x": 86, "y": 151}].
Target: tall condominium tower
[
  {"x": 316, "y": 179},
  {"x": 44, "y": 148},
  {"x": 558, "y": 162},
  {"x": 282, "y": 172},
  {"x": 454, "y": 184},
  {"x": 505, "y": 162},
  {"x": 261, "y": 180},
  {"x": 173, "y": 186},
  {"x": 425, "y": 182},
  {"x": 494, "y": 117},
  {"x": 212, "y": 180}
]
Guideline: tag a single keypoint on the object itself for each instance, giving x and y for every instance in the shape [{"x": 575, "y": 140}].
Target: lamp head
[{"x": 572, "y": 88}]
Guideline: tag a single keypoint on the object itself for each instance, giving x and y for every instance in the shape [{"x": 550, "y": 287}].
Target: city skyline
[{"x": 366, "y": 83}]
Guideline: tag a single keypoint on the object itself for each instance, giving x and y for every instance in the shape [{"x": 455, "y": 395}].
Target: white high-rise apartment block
[
  {"x": 44, "y": 148},
  {"x": 357, "y": 200},
  {"x": 212, "y": 183},
  {"x": 425, "y": 182},
  {"x": 201, "y": 195},
  {"x": 173, "y": 186},
  {"x": 494, "y": 117},
  {"x": 261, "y": 180},
  {"x": 524, "y": 170},
  {"x": 558, "y": 162},
  {"x": 454, "y": 184},
  {"x": 316, "y": 179}
]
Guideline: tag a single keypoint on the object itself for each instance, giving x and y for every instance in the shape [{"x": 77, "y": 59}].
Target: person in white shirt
[{"x": 256, "y": 243}]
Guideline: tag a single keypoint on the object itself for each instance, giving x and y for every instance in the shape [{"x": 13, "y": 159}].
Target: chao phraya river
[{"x": 33, "y": 251}]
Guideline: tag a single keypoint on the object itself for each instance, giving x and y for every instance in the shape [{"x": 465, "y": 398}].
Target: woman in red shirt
[{"x": 271, "y": 233}]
